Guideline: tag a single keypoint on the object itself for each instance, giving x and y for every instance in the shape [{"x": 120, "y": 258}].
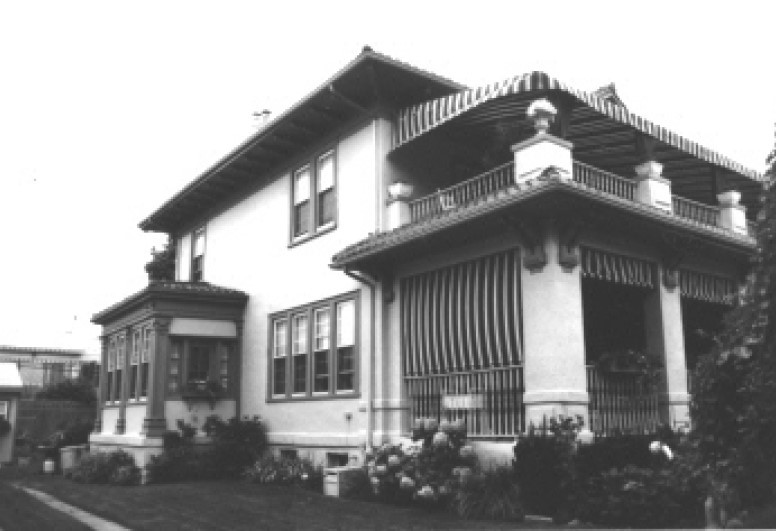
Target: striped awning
[
  {"x": 706, "y": 287},
  {"x": 617, "y": 268},
  {"x": 462, "y": 317},
  {"x": 414, "y": 121}
]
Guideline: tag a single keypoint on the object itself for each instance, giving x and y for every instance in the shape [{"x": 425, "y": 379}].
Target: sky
[{"x": 107, "y": 109}]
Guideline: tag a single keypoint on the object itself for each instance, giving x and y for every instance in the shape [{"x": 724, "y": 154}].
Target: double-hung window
[
  {"x": 121, "y": 359},
  {"x": 313, "y": 350},
  {"x": 145, "y": 357},
  {"x": 197, "y": 254},
  {"x": 314, "y": 199}
]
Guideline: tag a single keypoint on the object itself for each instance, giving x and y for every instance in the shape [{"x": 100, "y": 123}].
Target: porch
[{"x": 502, "y": 180}]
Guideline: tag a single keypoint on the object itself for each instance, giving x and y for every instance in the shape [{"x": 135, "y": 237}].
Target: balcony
[{"x": 501, "y": 180}]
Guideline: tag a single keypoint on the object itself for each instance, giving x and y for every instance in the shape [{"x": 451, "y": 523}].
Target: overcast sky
[{"x": 109, "y": 108}]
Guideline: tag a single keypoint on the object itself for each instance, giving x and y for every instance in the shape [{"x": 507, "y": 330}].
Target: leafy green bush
[
  {"x": 115, "y": 468},
  {"x": 492, "y": 495},
  {"x": 285, "y": 471},
  {"x": 545, "y": 468},
  {"x": 236, "y": 444},
  {"x": 81, "y": 390}
]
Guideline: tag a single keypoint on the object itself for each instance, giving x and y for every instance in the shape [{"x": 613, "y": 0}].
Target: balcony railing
[
  {"x": 488, "y": 184},
  {"x": 604, "y": 181},
  {"x": 694, "y": 211},
  {"x": 467, "y": 192},
  {"x": 489, "y": 401},
  {"x": 622, "y": 402}
]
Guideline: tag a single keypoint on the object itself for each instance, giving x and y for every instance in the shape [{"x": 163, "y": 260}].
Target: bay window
[
  {"x": 314, "y": 201},
  {"x": 313, "y": 350}
]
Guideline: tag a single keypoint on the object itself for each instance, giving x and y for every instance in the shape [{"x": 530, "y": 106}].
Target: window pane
[
  {"x": 300, "y": 334},
  {"x": 134, "y": 358},
  {"x": 199, "y": 242},
  {"x": 302, "y": 186},
  {"x": 279, "y": 376},
  {"x": 279, "y": 339},
  {"x": 302, "y": 218},
  {"x": 119, "y": 377},
  {"x": 144, "y": 380},
  {"x": 299, "y": 351},
  {"x": 345, "y": 369},
  {"x": 300, "y": 373},
  {"x": 321, "y": 372},
  {"x": 346, "y": 325},
  {"x": 145, "y": 352},
  {"x": 326, "y": 172},
  {"x": 326, "y": 207},
  {"x": 321, "y": 329},
  {"x": 174, "y": 367},
  {"x": 223, "y": 365},
  {"x": 198, "y": 362},
  {"x": 133, "y": 382}
]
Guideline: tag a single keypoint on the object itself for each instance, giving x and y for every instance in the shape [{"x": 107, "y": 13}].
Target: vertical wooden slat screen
[{"x": 462, "y": 317}]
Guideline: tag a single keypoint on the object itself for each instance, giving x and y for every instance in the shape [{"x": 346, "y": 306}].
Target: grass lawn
[
  {"x": 20, "y": 511},
  {"x": 235, "y": 505}
]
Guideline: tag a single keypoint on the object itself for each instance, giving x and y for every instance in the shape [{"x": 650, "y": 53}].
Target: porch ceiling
[
  {"x": 604, "y": 134},
  {"x": 565, "y": 201}
]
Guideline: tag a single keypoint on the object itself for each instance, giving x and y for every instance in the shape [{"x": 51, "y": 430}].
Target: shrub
[
  {"x": 79, "y": 390},
  {"x": 115, "y": 468},
  {"x": 492, "y": 495},
  {"x": 427, "y": 470},
  {"x": 544, "y": 466},
  {"x": 236, "y": 444},
  {"x": 285, "y": 471}
]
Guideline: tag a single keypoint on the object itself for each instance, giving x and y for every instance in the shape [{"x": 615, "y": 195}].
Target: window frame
[
  {"x": 315, "y": 197},
  {"x": 309, "y": 311},
  {"x": 180, "y": 346},
  {"x": 199, "y": 271}
]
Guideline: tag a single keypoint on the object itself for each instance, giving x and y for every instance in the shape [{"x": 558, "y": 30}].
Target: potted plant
[
  {"x": 208, "y": 390},
  {"x": 637, "y": 362}
]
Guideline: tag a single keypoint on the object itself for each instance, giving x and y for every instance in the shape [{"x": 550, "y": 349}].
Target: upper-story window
[
  {"x": 197, "y": 254},
  {"x": 314, "y": 201}
]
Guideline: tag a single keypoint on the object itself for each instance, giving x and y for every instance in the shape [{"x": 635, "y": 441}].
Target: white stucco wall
[
  {"x": 109, "y": 417},
  {"x": 248, "y": 249}
]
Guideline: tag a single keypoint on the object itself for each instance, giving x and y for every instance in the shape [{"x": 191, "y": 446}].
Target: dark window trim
[
  {"x": 214, "y": 368},
  {"x": 309, "y": 311},
  {"x": 312, "y": 162}
]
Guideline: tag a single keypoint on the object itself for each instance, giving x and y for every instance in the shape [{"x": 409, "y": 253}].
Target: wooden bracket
[
  {"x": 532, "y": 238},
  {"x": 568, "y": 245}
]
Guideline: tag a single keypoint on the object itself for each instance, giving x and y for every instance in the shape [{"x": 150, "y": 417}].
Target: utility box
[
  {"x": 339, "y": 480},
  {"x": 70, "y": 456}
]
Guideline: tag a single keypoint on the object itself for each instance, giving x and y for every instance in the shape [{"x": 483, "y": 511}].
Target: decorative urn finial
[{"x": 542, "y": 113}]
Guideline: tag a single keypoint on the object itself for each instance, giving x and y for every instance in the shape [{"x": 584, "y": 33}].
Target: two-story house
[{"x": 397, "y": 246}]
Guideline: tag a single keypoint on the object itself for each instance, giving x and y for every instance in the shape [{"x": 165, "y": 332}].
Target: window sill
[
  {"x": 324, "y": 229},
  {"x": 314, "y": 397}
]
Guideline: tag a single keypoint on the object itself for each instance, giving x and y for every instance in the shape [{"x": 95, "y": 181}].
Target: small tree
[
  {"x": 162, "y": 264},
  {"x": 734, "y": 396}
]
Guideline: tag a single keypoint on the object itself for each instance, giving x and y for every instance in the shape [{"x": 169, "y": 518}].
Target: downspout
[{"x": 370, "y": 420}]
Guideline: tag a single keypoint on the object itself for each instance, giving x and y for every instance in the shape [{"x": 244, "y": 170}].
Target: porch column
[
  {"x": 121, "y": 422},
  {"x": 103, "y": 387},
  {"x": 665, "y": 338},
  {"x": 553, "y": 332},
  {"x": 155, "y": 423}
]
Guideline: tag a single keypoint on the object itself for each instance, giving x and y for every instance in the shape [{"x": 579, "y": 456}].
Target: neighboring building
[
  {"x": 40, "y": 367},
  {"x": 398, "y": 246},
  {"x": 10, "y": 391}
]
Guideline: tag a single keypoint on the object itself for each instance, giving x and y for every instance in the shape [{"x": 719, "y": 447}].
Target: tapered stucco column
[
  {"x": 102, "y": 391},
  {"x": 665, "y": 338},
  {"x": 155, "y": 423},
  {"x": 553, "y": 333}
]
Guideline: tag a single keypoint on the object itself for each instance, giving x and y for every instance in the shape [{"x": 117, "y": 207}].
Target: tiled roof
[
  {"x": 376, "y": 244},
  {"x": 172, "y": 288},
  {"x": 38, "y": 350}
]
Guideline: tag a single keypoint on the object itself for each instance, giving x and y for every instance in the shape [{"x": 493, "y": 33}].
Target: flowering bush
[
  {"x": 115, "y": 468},
  {"x": 284, "y": 471},
  {"x": 427, "y": 469}
]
